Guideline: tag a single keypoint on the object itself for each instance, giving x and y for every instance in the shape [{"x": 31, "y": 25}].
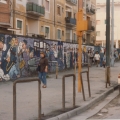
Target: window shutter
[
  {"x": 19, "y": 24},
  {"x": 46, "y": 30},
  {"x": 58, "y": 34}
]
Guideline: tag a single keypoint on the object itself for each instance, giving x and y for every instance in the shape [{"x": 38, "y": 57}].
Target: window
[
  {"x": 59, "y": 34},
  {"x": 42, "y": 29},
  {"x": 62, "y": 10},
  {"x": 47, "y": 5},
  {"x": 47, "y": 32},
  {"x": 98, "y": 22},
  {"x": 19, "y": 24},
  {"x": 62, "y": 33},
  {"x": 58, "y": 10},
  {"x": 75, "y": 37},
  {"x": 26, "y": 29},
  {"x": 68, "y": 14},
  {"x": 74, "y": 15},
  {"x": 98, "y": 33}
]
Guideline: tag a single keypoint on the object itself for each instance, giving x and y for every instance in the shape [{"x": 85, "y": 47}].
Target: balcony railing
[
  {"x": 35, "y": 9},
  {"x": 74, "y": 2},
  {"x": 70, "y": 21},
  {"x": 72, "y": 41},
  {"x": 90, "y": 11}
]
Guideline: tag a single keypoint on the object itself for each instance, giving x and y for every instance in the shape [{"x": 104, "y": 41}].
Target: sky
[{"x": 103, "y": 1}]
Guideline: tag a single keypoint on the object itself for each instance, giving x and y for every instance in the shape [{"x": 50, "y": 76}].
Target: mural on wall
[{"x": 19, "y": 56}]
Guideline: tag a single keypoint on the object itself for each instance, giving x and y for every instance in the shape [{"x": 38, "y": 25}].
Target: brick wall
[{"x": 5, "y": 13}]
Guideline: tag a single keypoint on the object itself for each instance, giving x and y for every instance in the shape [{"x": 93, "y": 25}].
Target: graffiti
[{"x": 19, "y": 56}]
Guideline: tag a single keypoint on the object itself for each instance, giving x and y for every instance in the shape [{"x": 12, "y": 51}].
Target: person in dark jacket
[
  {"x": 101, "y": 58},
  {"x": 43, "y": 69}
]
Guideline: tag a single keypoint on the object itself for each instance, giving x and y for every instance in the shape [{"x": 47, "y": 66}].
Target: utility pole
[
  {"x": 112, "y": 35},
  {"x": 108, "y": 41}
]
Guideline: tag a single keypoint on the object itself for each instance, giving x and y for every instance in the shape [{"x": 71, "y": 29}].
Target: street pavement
[{"x": 27, "y": 94}]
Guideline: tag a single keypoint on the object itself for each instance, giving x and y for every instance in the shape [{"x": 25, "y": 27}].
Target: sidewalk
[{"x": 27, "y": 94}]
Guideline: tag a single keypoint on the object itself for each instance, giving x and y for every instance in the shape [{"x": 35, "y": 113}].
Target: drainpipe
[
  {"x": 14, "y": 15},
  {"x": 54, "y": 13},
  {"x": 54, "y": 20}
]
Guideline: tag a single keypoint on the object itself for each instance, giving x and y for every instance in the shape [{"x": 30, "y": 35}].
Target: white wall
[{"x": 101, "y": 15}]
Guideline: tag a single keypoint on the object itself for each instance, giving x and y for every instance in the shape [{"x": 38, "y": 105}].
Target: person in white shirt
[{"x": 97, "y": 58}]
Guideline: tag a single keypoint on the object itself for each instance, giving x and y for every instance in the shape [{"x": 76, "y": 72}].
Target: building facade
[
  {"x": 50, "y": 19},
  {"x": 101, "y": 24},
  {"x": 89, "y": 37}
]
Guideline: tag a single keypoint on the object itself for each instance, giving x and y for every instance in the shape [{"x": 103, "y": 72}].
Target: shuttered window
[
  {"x": 47, "y": 32},
  {"x": 19, "y": 24},
  {"x": 58, "y": 10},
  {"x": 59, "y": 34}
]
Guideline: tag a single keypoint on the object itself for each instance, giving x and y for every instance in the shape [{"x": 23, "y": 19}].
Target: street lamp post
[
  {"x": 107, "y": 42},
  {"x": 112, "y": 35}
]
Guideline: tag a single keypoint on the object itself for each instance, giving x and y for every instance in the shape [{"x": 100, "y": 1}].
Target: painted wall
[{"x": 19, "y": 56}]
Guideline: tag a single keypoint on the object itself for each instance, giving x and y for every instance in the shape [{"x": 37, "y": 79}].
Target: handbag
[{"x": 38, "y": 68}]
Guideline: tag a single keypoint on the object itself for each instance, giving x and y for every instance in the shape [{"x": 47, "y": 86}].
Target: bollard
[
  {"x": 107, "y": 75},
  {"x": 63, "y": 90},
  {"x": 56, "y": 70},
  {"x": 89, "y": 90},
  {"x": 119, "y": 83},
  {"x": 14, "y": 96}
]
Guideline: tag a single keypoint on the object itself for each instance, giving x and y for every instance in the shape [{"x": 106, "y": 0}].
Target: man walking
[{"x": 101, "y": 58}]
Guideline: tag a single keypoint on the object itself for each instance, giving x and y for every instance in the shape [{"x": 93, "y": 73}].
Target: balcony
[
  {"x": 35, "y": 9},
  {"x": 5, "y": 14},
  {"x": 75, "y": 41},
  {"x": 90, "y": 11},
  {"x": 73, "y": 2},
  {"x": 91, "y": 28},
  {"x": 70, "y": 21}
]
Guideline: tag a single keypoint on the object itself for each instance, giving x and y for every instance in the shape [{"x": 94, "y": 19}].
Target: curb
[{"x": 81, "y": 109}]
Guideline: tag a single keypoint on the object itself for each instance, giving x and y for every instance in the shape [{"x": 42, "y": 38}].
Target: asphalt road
[{"x": 110, "y": 111}]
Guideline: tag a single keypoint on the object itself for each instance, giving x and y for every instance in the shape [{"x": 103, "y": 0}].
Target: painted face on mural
[
  {"x": 16, "y": 42},
  {"x": 24, "y": 46},
  {"x": 12, "y": 42}
]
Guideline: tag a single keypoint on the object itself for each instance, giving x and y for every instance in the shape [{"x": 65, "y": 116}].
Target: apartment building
[
  {"x": 101, "y": 24},
  {"x": 49, "y": 19},
  {"x": 89, "y": 37}
]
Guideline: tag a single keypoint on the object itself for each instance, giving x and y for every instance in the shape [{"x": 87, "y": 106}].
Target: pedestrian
[
  {"x": 43, "y": 69},
  {"x": 101, "y": 58},
  {"x": 90, "y": 57},
  {"x": 97, "y": 58},
  {"x": 104, "y": 60}
]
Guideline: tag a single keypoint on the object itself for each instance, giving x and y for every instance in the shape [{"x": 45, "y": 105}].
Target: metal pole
[
  {"x": 112, "y": 35},
  {"x": 108, "y": 40},
  {"x": 63, "y": 93},
  {"x": 107, "y": 32},
  {"x": 14, "y": 101}
]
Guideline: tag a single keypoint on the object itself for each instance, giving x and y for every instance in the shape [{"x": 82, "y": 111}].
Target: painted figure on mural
[
  {"x": 24, "y": 57},
  {"x": 1, "y": 48},
  {"x": 55, "y": 52},
  {"x": 36, "y": 52},
  {"x": 60, "y": 55},
  {"x": 71, "y": 58},
  {"x": 68, "y": 58}
]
